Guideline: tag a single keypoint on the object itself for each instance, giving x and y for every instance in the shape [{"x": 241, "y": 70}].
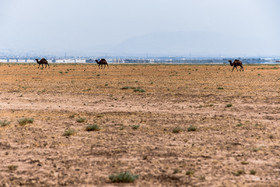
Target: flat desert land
[{"x": 172, "y": 125}]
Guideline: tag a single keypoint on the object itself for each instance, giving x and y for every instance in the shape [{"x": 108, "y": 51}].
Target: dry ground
[{"x": 236, "y": 116}]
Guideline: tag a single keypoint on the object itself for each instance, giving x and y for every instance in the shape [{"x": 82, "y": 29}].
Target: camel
[
  {"x": 101, "y": 63},
  {"x": 235, "y": 64},
  {"x": 42, "y": 61}
]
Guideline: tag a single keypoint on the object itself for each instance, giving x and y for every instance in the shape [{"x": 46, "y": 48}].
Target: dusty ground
[{"x": 233, "y": 145}]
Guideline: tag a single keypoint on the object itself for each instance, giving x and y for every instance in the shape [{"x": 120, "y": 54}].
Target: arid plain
[{"x": 172, "y": 125}]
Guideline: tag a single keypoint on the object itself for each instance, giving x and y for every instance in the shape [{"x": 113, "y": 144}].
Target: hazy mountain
[
  {"x": 191, "y": 43},
  {"x": 167, "y": 44}
]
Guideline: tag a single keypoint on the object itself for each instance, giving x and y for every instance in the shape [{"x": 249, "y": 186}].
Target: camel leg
[{"x": 232, "y": 69}]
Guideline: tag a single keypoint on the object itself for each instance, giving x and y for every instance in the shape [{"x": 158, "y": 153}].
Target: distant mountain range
[
  {"x": 190, "y": 43},
  {"x": 202, "y": 44}
]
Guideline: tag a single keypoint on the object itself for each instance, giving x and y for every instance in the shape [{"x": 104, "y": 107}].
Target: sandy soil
[{"x": 236, "y": 116}]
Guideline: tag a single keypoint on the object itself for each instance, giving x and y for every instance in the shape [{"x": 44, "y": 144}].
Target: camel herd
[{"x": 103, "y": 62}]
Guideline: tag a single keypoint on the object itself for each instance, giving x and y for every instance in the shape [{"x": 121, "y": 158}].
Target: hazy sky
[{"x": 77, "y": 25}]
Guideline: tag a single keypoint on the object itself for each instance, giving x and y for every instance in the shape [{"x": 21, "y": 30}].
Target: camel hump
[
  {"x": 103, "y": 59},
  {"x": 44, "y": 60}
]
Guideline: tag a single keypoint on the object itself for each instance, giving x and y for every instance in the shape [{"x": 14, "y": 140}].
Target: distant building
[
  {"x": 3, "y": 60},
  {"x": 69, "y": 61},
  {"x": 12, "y": 60},
  {"x": 21, "y": 60},
  {"x": 117, "y": 60},
  {"x": 136, "y": 61},
  {"x": 59, "y": 61},
  {"x": 30, "y": 61},
  {"x": 90, "y": 61},
  {"x": 80, "y": 61}
]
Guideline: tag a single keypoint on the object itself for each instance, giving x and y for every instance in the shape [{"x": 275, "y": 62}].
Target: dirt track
[{"x": 235, "y": 144}]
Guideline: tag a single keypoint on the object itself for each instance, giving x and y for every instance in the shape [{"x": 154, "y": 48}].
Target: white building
[
  {"x": 30, "y": 61},
  {"x": 12, "y": 60},
  {"x": 69, "y": 61},
  {"x": 21, "y": 61},
  {"x": 3, "y": 60},
  {"x": 80, "y": 60},
  {"x": 59, "y": 61}
]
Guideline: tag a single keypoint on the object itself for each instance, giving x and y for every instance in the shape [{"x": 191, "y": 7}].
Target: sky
[{"x": 99, "y": 26}]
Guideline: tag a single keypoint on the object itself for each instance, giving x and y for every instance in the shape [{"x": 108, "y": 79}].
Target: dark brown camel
[
  {"x": 42, "y": 61},
  {"x": 235, "y": 64},
  {"x": 101, "y": 63}
]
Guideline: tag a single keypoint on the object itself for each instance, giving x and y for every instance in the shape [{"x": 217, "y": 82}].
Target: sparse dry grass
[{"x": 227, "y": 148}]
